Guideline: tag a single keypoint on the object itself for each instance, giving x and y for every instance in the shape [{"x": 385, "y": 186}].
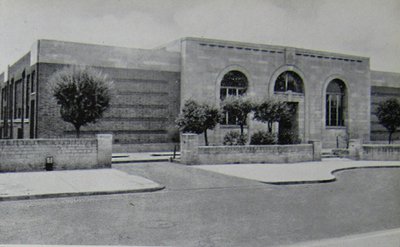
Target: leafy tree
[
  {"x": 388, "y": 113},
  {"x": 83, "y": 94},
  {"x": 270, "y": 111},
  {"x": 198, "y": 118},
  {"x": 238, "y": 106}
]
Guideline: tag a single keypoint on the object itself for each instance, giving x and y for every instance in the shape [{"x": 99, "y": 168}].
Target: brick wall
[
  {"x": 143, "y": 108},
  {"x": 384, "y": 85},
  {"x": 17, "y": 75},
  {"x": 30, "y": 155},
  {"x": 378, "y": 95}
]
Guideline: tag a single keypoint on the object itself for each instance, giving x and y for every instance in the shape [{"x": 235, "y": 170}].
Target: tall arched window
[
  {"x": 289, "y": 81},
  {"x": 335, "y": 103},
  {"x": 234, "y": 83}
]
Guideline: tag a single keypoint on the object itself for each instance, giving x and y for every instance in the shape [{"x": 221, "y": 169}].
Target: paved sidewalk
[
  {"x": 389, "y": 238},
  {"x": 294, "y": 173},
  {"x": 32, "y": 185}
]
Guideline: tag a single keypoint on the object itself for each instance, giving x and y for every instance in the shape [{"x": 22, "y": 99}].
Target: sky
[{"x": 369, "y": 28}]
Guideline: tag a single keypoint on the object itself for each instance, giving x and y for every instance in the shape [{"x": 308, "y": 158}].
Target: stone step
[{"x": 325, "y": 156}]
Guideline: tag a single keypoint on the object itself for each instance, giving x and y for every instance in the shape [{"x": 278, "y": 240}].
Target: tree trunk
[
  {"x": 78, "y": 131},
  {"x": 390, "y": 137},
  {"x": 270, "y": 127},
  {"x": 205, "y": 137},
  {"x": 241, "y": 129}
]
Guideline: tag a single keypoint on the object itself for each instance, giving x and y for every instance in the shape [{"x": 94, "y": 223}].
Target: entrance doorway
[{"x": 289, "y": 126}]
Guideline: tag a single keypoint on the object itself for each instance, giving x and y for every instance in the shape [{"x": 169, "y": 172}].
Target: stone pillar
[
  {"x": 355, "y": 149},
  {"x": 317, "y": 149},
  {"x": 104, "y": 150},
  {"x": 189, "y": 149}
]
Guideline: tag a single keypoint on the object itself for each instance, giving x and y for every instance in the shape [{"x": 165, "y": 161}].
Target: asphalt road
[{"x": 201, "y": 208}]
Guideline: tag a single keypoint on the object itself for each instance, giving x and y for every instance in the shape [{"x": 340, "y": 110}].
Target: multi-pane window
[
  {"x": 33, "y": 82},
  {"x": 2, "y": 109},
  {"x": 234, "y": 83},
  {"x": 289, "y": 81},
  {"x": 27, "y": 96},
  {"x": 335, "y": 103},
  {"x": 18, "y": 99}
]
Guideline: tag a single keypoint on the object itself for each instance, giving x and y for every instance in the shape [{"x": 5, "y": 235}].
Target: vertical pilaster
[{"x": 104, "y": 150}]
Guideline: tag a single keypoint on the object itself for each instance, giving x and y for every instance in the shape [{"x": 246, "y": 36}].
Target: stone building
[{"x": 333, "y": 96}]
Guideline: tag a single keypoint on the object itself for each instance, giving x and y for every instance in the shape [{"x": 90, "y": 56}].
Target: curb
[
  {"x": 139, "y": 161},
  {"x": 60, "y": 245},
  {"x": 328, "y": 180},
  {"x": 384, "y": 238},
  {"x": 72, "y": 194}
]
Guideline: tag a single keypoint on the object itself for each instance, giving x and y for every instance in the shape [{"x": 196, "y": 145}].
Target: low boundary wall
[
  {"x": 378, "y": 152},
  {"x": 193, "y": 154},
  {"x": 67, "y": 154}
]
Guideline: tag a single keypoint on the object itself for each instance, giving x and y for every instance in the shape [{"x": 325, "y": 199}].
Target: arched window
[
  {"x": 289, "y": 81},
  {"x": 335, "y": 103},
  {"x": 234, "y": 83}
]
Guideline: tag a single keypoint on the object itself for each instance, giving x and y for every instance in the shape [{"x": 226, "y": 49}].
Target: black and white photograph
[{"x": 200, "y": 123}]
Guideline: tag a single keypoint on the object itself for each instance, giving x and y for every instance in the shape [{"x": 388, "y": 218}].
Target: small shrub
[
  {"x": 234, "y": 138},
  {"x": 288, "y": 137},
  {"x": 263, "y": 138}
]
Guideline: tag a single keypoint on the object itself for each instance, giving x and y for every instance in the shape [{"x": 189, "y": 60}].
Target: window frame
[
  {"x": 288, "y": 83},
  {"x": 335, "y": 106},
  {"x": 239, "y": 90}
]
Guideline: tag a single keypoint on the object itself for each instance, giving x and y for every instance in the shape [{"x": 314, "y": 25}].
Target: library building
[{"x": 333, "y": 96}]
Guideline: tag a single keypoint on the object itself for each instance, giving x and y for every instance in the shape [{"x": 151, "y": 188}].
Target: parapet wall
[
  {"x": 67, "y": 154},
  {"x": 381, "y": 152},
  {"x": 378, "y": 152},
  {"x": 193, "y": 154}
]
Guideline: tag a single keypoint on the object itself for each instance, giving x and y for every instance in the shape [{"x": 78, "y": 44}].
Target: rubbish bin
[{"x": 49, "y": 163}]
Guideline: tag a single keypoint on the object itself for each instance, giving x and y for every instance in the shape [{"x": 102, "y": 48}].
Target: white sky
[{"x": 368, "y": 28}]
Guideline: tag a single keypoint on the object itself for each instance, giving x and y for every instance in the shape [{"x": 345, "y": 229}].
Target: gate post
[{"x": 189, "y": 149}]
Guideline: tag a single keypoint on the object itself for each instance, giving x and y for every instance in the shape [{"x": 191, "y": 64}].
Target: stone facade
[
  {"x": 205, "y": 62},
  {"x": 152, "y": 85}
]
